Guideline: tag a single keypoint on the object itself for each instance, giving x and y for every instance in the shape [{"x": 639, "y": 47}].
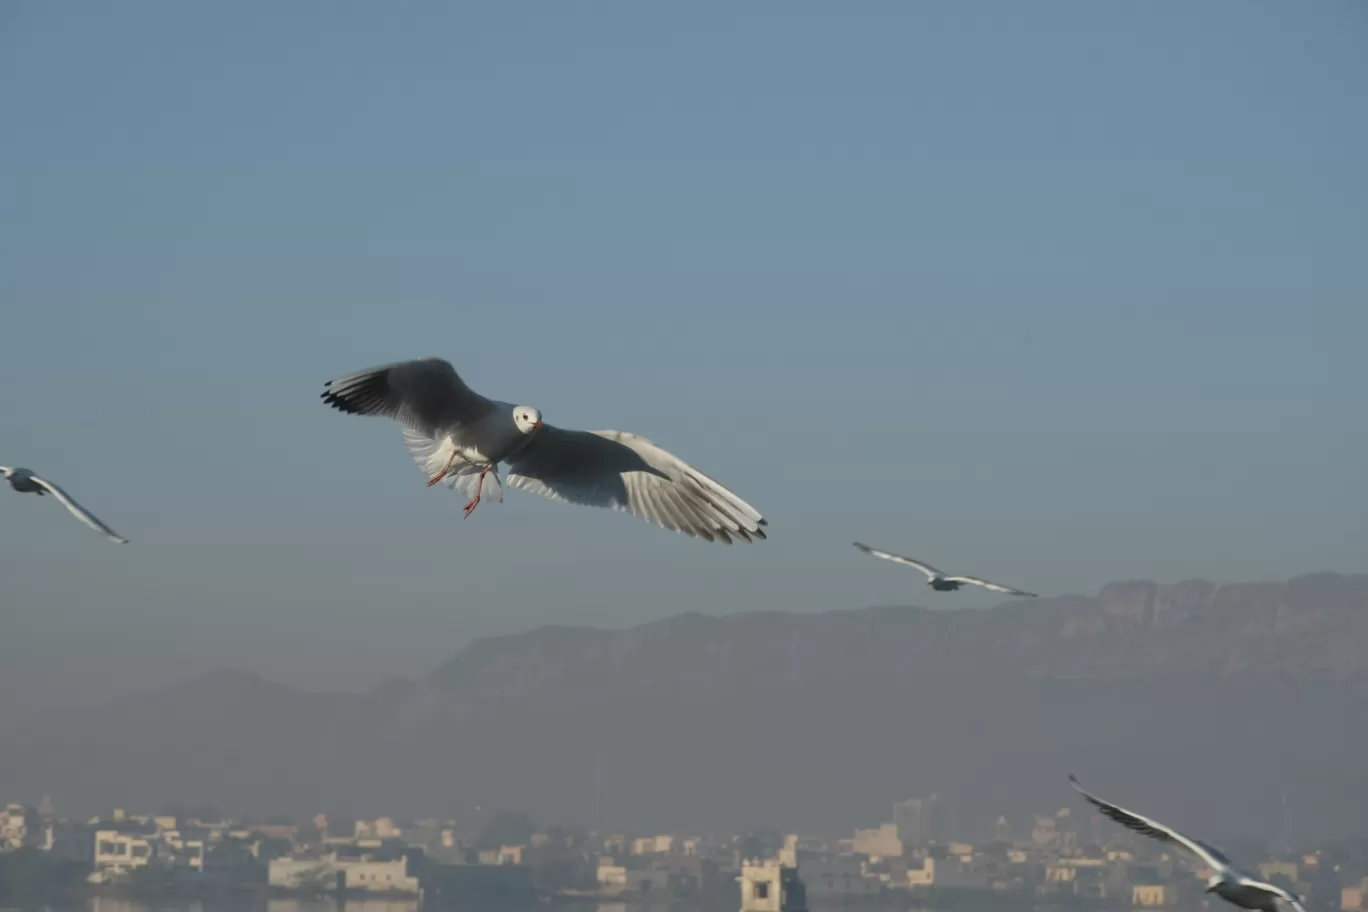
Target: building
[
  {"x": 303, "y": 874},
  {"x": 120, "y": 853},
  {"x": 653, "y": 845},
  {"x": 771, "y": 886},
  {"x": 378, "y": 876},
  {"x": 14, "y": 827},
  {"x": 950, "y": 872},
  {"x": 647, "y": 880},
  {"x": 379, "y": 828},
  {"x": 1088, "y": 876},
  {"x": 1151, "y": 895},
  {"x": 921, "y": 821},
  {"x": 612, "y": 878},
  {"x": 330, "y": 874},
  {"x": 1054, "y": 832},
  {"x": 878, "y": 842}
]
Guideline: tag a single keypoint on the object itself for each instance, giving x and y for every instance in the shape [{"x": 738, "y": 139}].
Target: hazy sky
[{"x": 1058, "y": 292}]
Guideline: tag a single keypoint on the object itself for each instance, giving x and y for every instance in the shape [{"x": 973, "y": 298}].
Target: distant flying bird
[
  {"x": 1227, "y": 882},
  {"x": 455, "y": 433},
  {"x": 25, "y": 482},
  {"x": 939, "y": 581}
]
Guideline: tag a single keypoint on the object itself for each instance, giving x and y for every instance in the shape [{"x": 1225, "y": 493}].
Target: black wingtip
[
  {"x": 1074, "y": 779},
  {"x": 342, "y": 405}
]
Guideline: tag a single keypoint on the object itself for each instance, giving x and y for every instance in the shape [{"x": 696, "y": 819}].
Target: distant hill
[{"x": 1212, "y": 706}]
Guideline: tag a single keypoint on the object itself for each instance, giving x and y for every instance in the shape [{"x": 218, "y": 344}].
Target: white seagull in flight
[
  {"x": 25, "y": 482},
  {"x": 1226, "y": 881},
  {"x": 939, "y": 581},
  {"x": 454, "y": 433}
]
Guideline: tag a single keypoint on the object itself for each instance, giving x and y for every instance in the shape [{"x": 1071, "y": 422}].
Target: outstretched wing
[
  {"x": 624, "y": 472},
  {"x": 996, "y": 587},
  {"x": 1290, "y": 899},
  {"x": 425, "y": 394},
  {"x": 1154, "y": 829},
  {"x": 930, "y": 571},
  {"x": 79, "y": 511}
]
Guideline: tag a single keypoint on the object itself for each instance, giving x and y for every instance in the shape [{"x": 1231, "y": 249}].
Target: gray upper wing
[{"x": 426, "y": 394}]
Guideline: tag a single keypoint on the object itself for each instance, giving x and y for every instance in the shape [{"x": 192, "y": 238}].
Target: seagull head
[{"x": 527, "y": 419}]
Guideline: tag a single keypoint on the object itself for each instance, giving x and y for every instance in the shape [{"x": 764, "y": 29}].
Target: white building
[
  {"x": 379, "y": 876},
  {"x": 773, "y": 885},
  {"x": 119, "y": 853},
  {"x": 878, "y": 842},
  {"x": 329, "y": 873},
  {"x": 379, "y": 828},
  {"x": 653, "y": 845},
  {"x": 612, "y": 878},
  {"x": 303, "y": 873},
  {"x": 14, "y": 826}
]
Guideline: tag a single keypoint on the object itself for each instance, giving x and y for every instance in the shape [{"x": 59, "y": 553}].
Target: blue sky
[{"x": 1059, "y": 293}]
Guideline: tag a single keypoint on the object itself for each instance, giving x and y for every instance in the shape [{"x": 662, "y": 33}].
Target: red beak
[{"x": 537, "y": 424}]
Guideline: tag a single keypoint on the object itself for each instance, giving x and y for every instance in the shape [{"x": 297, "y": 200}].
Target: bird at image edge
[
  {"x": 25, "y": 482},
  {"x": 1226, "y": 881}
]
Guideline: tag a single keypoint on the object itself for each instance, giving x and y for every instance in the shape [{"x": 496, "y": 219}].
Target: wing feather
[
  {"x": 1213, "y": 857},
  {"x": 78, "y": 511},
  {"x": 1291, "y": 899},
  {"x": 930, "y": 571},
  {"x": 996, "y": 587},
  {"x": 630, "y": 474},
  {"x": 426, "y": 395}
]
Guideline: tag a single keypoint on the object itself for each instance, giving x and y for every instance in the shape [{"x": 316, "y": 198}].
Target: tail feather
[{"x": 467, "y": 480}]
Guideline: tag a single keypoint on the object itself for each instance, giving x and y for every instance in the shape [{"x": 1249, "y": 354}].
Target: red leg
[
  {"x": 442, "y": 474},
  {"x": 479, "y": 487}
]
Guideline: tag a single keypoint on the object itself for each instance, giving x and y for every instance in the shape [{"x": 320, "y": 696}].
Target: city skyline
[{"x": 145, "y": 855}]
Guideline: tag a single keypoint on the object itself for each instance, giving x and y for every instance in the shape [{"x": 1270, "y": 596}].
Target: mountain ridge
[{"x": 811, "y": 720}]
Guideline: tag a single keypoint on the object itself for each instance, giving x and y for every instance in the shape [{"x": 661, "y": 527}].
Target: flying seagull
[
  {"x": 939, "y": 581},
  {"x": 454, "y": 433},
  {"x": 25, "y": 482},
  {"x": 1226, "y": 881}
]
